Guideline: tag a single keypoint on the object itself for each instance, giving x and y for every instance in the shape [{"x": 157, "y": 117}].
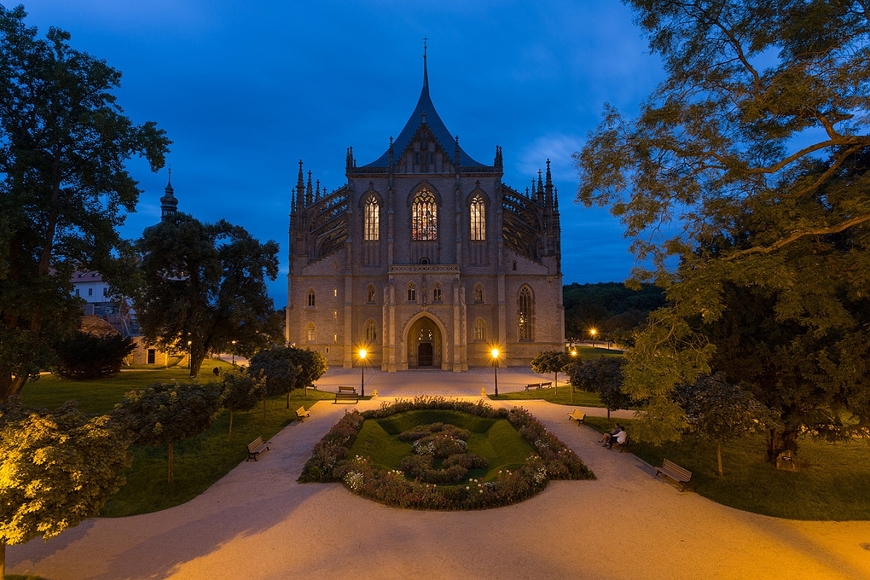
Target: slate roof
[{"x": 436, "y": 125}]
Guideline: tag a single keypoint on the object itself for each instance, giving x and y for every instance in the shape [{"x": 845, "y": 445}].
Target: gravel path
[{"x": 258, "y": 523}]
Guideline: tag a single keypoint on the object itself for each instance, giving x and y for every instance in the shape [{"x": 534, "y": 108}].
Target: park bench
[
  {"x": 531, "y": 386},
  {"x": 623, "y": 447},
  {"x": 547, "y": 385},
  {"x": 256, "y": 447},
  {"x": 679, "y": 474},
  {"x": 346, "y": 394},
  {"x": 301, "y": 413},
  {"x": 578, "y": 416}
]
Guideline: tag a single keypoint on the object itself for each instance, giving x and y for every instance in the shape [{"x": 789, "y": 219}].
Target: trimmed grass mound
[{"x": 436, "y": 453}]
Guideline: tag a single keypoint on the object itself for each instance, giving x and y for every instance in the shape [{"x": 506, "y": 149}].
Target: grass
[
  {"x": 560, "y": 396},
  {"x": 493, "y": 439},
  {"x": 832, "y": 486},
  {"x": 199, "y": 462}
]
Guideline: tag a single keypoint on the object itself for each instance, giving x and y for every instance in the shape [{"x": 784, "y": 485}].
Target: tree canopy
[
  {"x": 746, "y": 172},
  {"x": 56, "y": 470},
  {"x": 205, "y": 287},
  {"x": 63, "y": 187},
  {"x": 286, "y": 368}
]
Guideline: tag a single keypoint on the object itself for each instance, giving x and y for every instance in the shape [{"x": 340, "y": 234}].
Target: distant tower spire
[
  {"x": 425, "y": 68},
  {"x": 300, "y": 188},
  {"x": 168, "y": 203}
]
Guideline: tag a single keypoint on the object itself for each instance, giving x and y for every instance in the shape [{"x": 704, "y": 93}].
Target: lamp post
[
  {"x": 234, "y": 353},
  {"x": 189, "y": 355},
  {"x": 573, "y": 358},
  {"x": 593, "y": 332},
  {"x": 362, "y": 376},
  {"x": 495, "y": 369}
]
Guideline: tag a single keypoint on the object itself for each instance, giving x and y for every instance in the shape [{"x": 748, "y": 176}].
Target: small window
[
  {"x": 335, "y": 292},
  {"x": 77, "y": 292},
  {"x": 310, "y": 334},
  {"x": 152, "y": 355},
  {"x": 311, "y": 299},
  {"x": 90, "y": 291},
  {"x": 335, "y": 314},
  {"x": 479, "y": 330},
  {"x": 436, "y": 293},
  {"x": 515, "y": 266},
  {"x": 105, "y": 291},
  {"x": 412, "y": 293},
  {"x": 424, "y": 260}
]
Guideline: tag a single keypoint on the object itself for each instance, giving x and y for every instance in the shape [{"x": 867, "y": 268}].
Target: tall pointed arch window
[
  {"x": 479, "y": 330},
  {"x": 312, "y": 301},
  {"x": 310, "y": 332},
  {"x": 412, "y": 293},
  {"x": 478, "y": 219},
  {"x": 371, "y": 332},
  {"x": 424, "y": 217},
  {"x": 371, "y": 220},
  {"x": 525, "y": 307}
]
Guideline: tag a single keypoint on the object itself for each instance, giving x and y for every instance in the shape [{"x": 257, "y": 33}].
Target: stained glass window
[
  {"x": 424, "y": 217},
  {"x": 478, "y": 219},
  {"x": 524, "y": 322},
  {"x": 371, "y": 231}
]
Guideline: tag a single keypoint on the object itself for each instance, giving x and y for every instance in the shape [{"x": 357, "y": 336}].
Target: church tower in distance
[{"x": 425, "y": 259}]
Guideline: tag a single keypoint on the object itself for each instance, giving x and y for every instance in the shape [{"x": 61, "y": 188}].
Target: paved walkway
[{"x": 258, "y": 523}]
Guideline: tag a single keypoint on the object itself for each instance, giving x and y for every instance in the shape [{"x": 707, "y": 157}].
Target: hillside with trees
[{"x": 611, "y": 308}]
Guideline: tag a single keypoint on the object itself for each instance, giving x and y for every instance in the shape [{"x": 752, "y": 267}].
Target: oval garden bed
[{"x": 436, "y": 453}]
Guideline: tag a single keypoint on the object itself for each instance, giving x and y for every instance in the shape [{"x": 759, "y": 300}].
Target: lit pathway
[{"x": 257, "y": 522}]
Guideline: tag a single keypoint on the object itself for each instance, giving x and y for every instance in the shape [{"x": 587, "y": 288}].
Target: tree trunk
[
  {"x": 777, "y": 442},
  {"x": 169, "y": 475},
  {"x": 719, "y": 457},
  {"x": 230, "y": 436},
  {"x": 608, "y": 413},
  {"x": 556, "y": 382}
]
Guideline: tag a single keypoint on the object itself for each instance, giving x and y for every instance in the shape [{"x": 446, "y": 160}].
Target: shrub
[{"x": 87, "y": 356}]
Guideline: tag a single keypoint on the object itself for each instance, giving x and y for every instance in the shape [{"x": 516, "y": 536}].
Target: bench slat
[{"x": 679, "y": 474}]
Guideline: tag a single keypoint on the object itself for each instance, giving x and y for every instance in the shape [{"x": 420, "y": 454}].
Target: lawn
[
  {"x": 560, "y": 396},
  {"x": 833, "y": 486},
  {"x": 199, "y": 462}
]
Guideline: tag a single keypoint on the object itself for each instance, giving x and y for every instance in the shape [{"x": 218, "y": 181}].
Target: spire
[
  {"x": 548, "y": 187},
  {"x": 309, "y": 191},
  {"x": 168, "y": 203},
  {"x": 300, "y": 187},
  {"x": 425, "y": 68}
]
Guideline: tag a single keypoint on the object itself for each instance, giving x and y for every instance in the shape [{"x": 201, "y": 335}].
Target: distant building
[{"x": 425, "y": 258}]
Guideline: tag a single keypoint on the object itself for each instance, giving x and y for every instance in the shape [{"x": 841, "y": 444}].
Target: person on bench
[
  {"x": 620, "y": 438},
  {"x": 605, "y": 439}
]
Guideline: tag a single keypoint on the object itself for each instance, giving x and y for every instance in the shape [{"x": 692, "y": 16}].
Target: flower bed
[{"x": 436, "y": 489}]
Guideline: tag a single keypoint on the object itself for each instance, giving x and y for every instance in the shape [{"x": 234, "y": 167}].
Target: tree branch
[{"x": 797, "y": 235}]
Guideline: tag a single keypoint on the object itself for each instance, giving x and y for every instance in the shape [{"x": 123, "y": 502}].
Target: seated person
[
  {"x": 605, "y": 439},
  {"x": 620, "y": 438}
]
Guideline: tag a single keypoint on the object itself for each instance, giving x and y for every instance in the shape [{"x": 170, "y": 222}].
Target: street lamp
[
  {"x": 234, "y": 353},
  {"x": 362, "y": 376},
  {"x": 573, "y": 358},
  {"x": 593, "y": 332},
  {"x": 495, "y": 368},
  {"x": 189, "y": 355}
]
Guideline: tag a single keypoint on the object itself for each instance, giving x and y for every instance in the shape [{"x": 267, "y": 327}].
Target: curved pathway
[{"x": 258, "y": 523}]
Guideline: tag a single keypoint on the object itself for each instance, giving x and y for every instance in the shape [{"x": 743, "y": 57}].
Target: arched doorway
[{"x": 424, "y": 344}]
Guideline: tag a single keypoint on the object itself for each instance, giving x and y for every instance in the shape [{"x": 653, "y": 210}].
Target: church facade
[{"x": 425, "y": 259}]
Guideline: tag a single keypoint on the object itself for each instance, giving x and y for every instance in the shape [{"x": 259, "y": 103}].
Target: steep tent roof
[{"x": 425, "y": 112}]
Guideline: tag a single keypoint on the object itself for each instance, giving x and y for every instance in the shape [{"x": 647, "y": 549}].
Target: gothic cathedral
[{"x": 425, "y": 259}]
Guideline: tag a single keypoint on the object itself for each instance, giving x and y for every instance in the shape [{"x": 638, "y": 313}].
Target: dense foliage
[
  {"x": 552, "y": 460},
  {"x": 56, "y": 470},
  {"x": 205, "y": 289},
  {"x": 747, "y": 169},
  {"x": 241, "y": 392},
  {"x": 612, "y": 309},
  {"x": 166, "y": 413},
  {"x": 64, "y": 188},
  {"x": 603, "y": 376},
  {"x": 89, "y": 356},
  {"x": 551, "y": 361},
  {"x": 286, "y": 368}
]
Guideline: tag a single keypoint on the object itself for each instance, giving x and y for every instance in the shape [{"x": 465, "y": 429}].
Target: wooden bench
[
  {"x": 256, "y": 447},
  {"x": 679, "y": 474},
  {"x": 547, "y": 385},
  {"x": 346, "y": 394},
  {"x": 623, "y": 447},
  {"x": 578, "y": 416},
  {"x": 531, "y": 386},
  {"x": 301, "y": 413}
]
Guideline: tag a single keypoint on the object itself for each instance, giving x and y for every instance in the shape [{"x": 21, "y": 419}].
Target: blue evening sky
[{"x": 247, "y": 89}]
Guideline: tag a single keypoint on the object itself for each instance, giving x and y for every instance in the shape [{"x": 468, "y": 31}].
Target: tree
[
  {"x": 87, "y": 356},
  {"x": 205, "y": 287},
  {"x": 286, "y": 368},
  {"x": 603, "y": 376},
  {"x": 747, "y": 167},
  {"x": 718, "y": 410},
  {"x": 63, "y": 187},
  {"x": 165, "y": 414},
  {"x": 56, "y": 470},
  {"x": 241, "y": 393},
  {"x": 550, "y": 361}
]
